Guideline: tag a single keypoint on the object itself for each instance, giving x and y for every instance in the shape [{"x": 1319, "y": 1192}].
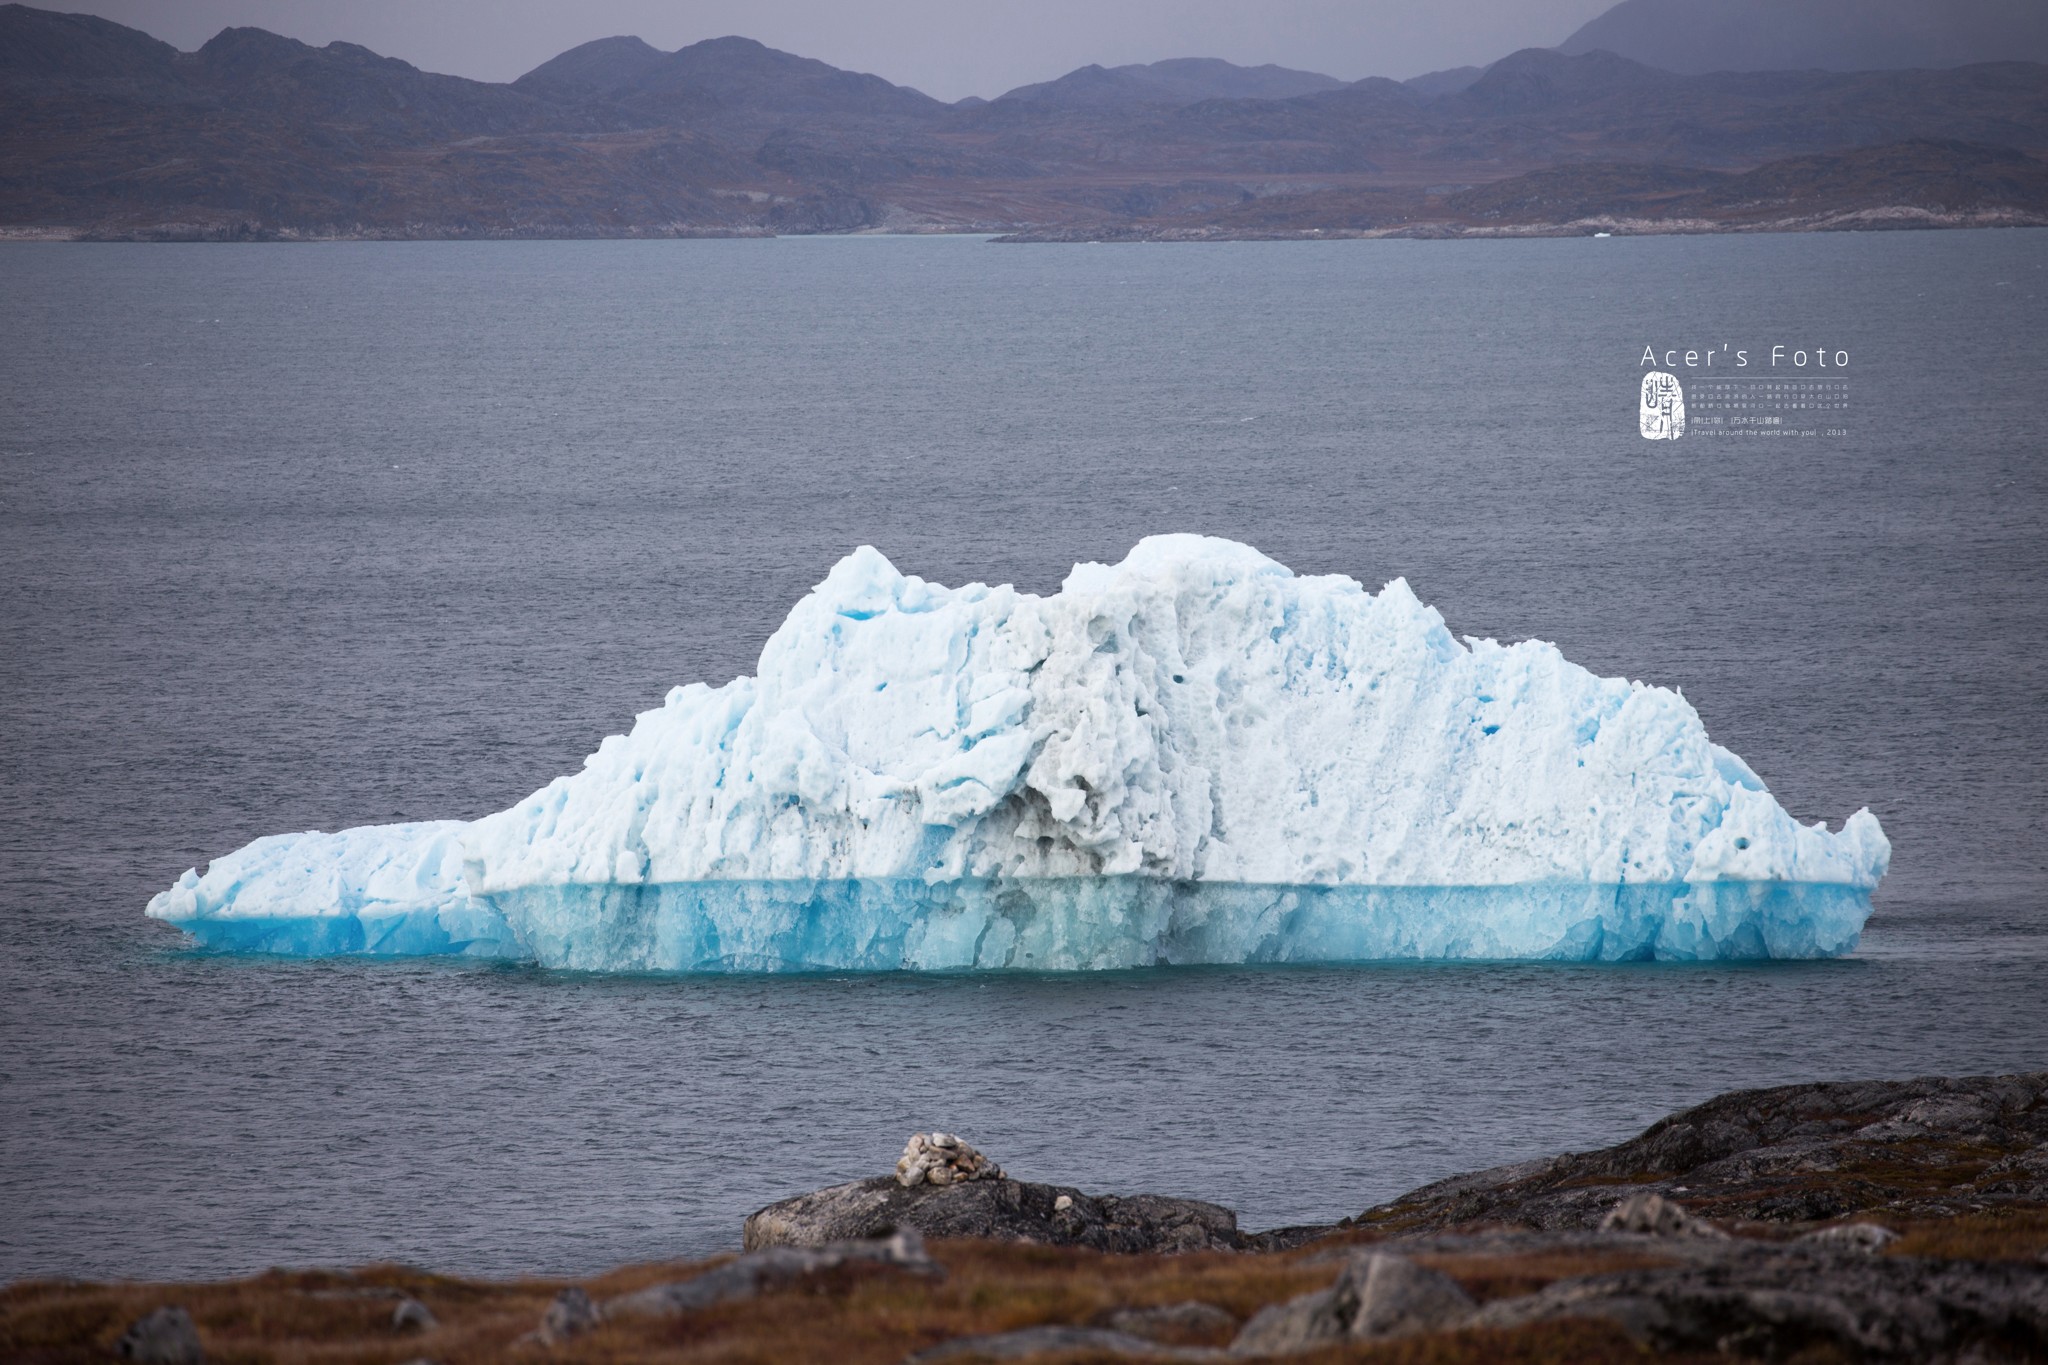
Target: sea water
[{"x": 299, "y": 538}]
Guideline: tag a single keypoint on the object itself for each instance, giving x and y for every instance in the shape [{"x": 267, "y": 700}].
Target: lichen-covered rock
[
  {"x": 1000, "y": 1209},
  {"x": 757, "y": 1272},
  {"x": 1395, "y": 1297},
  {"x": 568, "y": 1317},
  {"x": 1753, "y": 1300},
  {"x": 163, "y": 1337},
  {"x": 1792, "y": 1154},
  {"x": 1302, "y": 1323},
  {"x": 1865, "y": 1237},
  {"x": 574, "y": 1313},
  {"x": 1168, "y": 1321},
  {"x": 1378, "y": 1297},
  {"x": 1657, "y": 1216}
]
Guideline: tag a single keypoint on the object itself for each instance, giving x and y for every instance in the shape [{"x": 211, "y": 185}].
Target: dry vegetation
[
  {"x": 1995, "y": 1235},
  {"x": 855, "y": 1315}
]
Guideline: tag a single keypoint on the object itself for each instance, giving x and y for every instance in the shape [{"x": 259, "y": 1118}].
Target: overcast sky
[{"x": 946, "y": 48}]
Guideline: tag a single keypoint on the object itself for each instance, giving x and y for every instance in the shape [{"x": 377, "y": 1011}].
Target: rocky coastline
[{"x": 1880, "y": 1220}]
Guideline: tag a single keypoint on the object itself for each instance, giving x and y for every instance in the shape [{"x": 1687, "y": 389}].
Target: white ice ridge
[{"x": 1191, "y": 756}]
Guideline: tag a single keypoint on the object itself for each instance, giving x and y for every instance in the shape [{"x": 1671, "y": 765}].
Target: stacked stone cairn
[{"x": 942, "y": 1159}]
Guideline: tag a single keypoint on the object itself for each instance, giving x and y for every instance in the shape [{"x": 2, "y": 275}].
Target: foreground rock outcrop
[
  {"x": 1676, "y": 1292},
  {"x": 1931, "y": 1147},
  {"x": 1800, "y": 1154},
  {"x": 1006, "y": 1210},
  {"x": 1871, "y": 1221},
  {"x": 163, "y": 1337},
  {"x": 574, "y": 1313},
  {"x": 1719, "y": 1229},
  {"x": 1377, "y": 1296},
  {"x": 1663, "y": 1292},
  {"x": 943, "y": 1187},
  {"x": 1770, "y": 1302}
]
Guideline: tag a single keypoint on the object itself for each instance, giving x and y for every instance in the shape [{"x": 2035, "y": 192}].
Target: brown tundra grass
[{"x": 859, "y": 1315}]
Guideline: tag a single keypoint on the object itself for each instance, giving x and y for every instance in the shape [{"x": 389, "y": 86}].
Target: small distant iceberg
[{"x": 1194, "y": 756}]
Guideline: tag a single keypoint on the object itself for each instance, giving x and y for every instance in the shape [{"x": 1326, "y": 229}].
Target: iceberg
[{"x": 1193, "y": 756}]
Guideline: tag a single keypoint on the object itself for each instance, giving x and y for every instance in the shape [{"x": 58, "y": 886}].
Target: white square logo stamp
[{"x": 1663, "y": 407}]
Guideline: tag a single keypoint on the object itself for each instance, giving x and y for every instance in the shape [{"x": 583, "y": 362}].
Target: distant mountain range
[
  {"x": 1446, "y": 82},
  {"x": 729, "y": 78},
  {"x": 1697, "y": 36},
  {"x": 106, "y": 131},
  {"x": 1180, "y": 81}
]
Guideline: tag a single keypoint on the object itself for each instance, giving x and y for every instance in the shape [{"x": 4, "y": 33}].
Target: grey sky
[{"x": 946, "y": 48}]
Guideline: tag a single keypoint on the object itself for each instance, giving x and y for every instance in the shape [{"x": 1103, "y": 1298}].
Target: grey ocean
[{"x": 298, "y": 538}]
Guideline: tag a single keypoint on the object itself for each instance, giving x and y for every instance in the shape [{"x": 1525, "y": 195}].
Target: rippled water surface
[{"x": 305, "y": 537}]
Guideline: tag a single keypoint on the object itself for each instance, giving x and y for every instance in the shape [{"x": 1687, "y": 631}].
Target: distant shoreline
[{"x": 1900, "y": 218}]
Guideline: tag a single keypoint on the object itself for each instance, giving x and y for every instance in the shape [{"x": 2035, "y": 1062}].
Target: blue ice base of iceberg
[
  {"x": 1074, "y": 924},
  {"x": 475, "y": 931}
]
